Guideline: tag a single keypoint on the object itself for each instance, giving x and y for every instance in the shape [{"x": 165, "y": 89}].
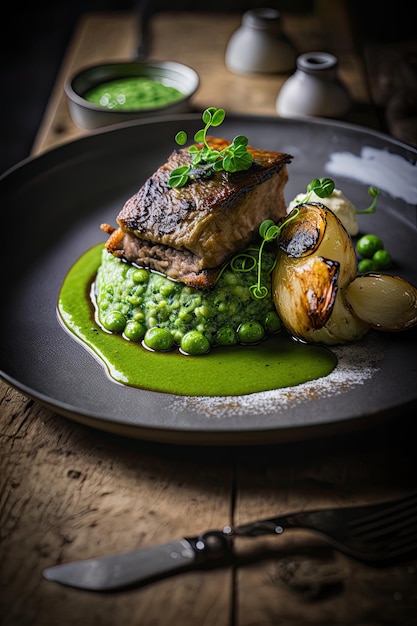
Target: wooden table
[{"x": 71, "y": 492}]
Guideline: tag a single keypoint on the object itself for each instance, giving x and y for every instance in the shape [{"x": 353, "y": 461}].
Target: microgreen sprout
[
  {"x": 268, "y": 231},
  {"x": 252, "y": 258},
  {"x": 374, "y": 193},
  {"x": 206, "y": 160},
  {"x": 322, "y": 187}
]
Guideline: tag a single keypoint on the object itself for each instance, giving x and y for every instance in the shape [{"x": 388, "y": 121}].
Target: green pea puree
[{"x": 275, "y": 363}]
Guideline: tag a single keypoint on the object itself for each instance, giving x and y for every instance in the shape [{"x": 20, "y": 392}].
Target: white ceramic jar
[
  {"x": 259, "y": 45},
  {"x": 314, "y": 89}
]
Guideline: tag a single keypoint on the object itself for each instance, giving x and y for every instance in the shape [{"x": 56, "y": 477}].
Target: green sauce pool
[
  {"x": 276, "y": 363},
  {"x": 132, "y": 94}
]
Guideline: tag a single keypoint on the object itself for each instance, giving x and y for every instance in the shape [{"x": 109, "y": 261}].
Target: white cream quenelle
[
  {"x": 317, "y": 292},
  {"x": 336, "y": 202}
]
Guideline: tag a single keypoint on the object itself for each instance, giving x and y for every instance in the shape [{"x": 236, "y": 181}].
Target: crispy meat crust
[{"x": 189, "y": 232}]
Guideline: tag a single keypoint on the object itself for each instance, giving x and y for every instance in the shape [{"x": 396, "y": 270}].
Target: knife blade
[{"x": 119, "y": 571}]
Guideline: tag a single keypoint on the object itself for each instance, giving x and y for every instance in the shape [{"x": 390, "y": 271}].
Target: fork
[{"x": 378, "y": 533}]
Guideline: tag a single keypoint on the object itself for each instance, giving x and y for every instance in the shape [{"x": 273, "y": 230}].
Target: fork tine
[
  {"x": 402, "y": 545},
  {"x": 386, "y": 518},
  {"x": 389, "y": 529},
  {"x": 375, "y": 533}
]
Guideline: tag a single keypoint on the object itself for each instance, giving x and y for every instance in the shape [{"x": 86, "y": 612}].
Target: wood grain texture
[
  {"x": 184, "y": 40},
  {"x": 70, "y": 492},
  {"x": 298, "y": 578}
]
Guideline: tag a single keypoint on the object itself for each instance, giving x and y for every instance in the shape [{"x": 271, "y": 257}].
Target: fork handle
[{"x": 274, "y": 526}]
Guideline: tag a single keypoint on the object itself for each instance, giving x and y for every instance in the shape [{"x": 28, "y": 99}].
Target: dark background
[{"x": 33, "y": 41}]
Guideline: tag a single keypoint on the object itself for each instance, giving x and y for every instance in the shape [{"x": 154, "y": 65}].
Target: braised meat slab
[{"x": 187, "y": 233}]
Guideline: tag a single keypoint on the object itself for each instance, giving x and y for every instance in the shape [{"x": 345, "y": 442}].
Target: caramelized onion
[
  {"x": 317, "y": 292},
  {"x": 316, "y": 261},
  {"x": 384, "y": 302}
]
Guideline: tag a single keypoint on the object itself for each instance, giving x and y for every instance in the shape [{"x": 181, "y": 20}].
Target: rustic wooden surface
[
  {"x": 71, "y": 492},
  {"x": 203, "y": 49}
]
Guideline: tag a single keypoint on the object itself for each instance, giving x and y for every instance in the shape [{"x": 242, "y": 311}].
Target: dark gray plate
[{"x": 54, "y": 205}]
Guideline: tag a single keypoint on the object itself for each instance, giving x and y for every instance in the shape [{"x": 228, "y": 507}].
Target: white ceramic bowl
[{"x": 87, "y": 115}]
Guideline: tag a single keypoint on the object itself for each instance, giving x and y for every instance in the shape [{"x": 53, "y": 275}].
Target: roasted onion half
[
  {"x": 384, "y": 302},
  {"x": 317, "y": 292}
]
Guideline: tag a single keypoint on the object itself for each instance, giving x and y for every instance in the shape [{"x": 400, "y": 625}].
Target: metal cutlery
[{"x": 377, "y": 533}]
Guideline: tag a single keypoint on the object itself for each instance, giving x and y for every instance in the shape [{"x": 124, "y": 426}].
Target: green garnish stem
[
  {"x": 232, "y": 158},
  {"x": 374, "y": 193}
]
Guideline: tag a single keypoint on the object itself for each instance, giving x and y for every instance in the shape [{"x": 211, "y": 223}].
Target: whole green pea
[
  {"x": 140, "y": 276},
  {"x": 114, "y": 321},
  {"x": 250, "y": 332},
  {"x": 272, "y": 322},
  {"x": 366, "y": 265},
  {"x": 158, "y": 339},
  {"x": 134, "y": 331},
  {"x": 367, "y": 245},
  {"x": 226, "y": 336},
  {"x": 195, "y": 343},
  {"x": 382, "y": 259}
]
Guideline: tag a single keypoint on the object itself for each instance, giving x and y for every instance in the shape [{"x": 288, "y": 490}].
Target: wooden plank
[
  {"x": 204, "y": 49},
  {"x": 301, "y": 581},
  {"x": 179, "y": 37},
  {"x": 295, "y": 577},
  {"x": 69, "y": 492}
]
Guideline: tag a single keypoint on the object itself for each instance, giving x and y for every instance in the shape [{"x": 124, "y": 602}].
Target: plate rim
[{"x": 170, "y": 434}]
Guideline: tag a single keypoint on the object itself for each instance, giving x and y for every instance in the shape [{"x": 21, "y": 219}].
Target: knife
[{"x": 109, "y": 573}]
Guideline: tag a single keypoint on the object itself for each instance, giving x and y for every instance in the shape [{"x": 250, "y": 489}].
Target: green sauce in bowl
[{"x": 132, "y": 93}]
